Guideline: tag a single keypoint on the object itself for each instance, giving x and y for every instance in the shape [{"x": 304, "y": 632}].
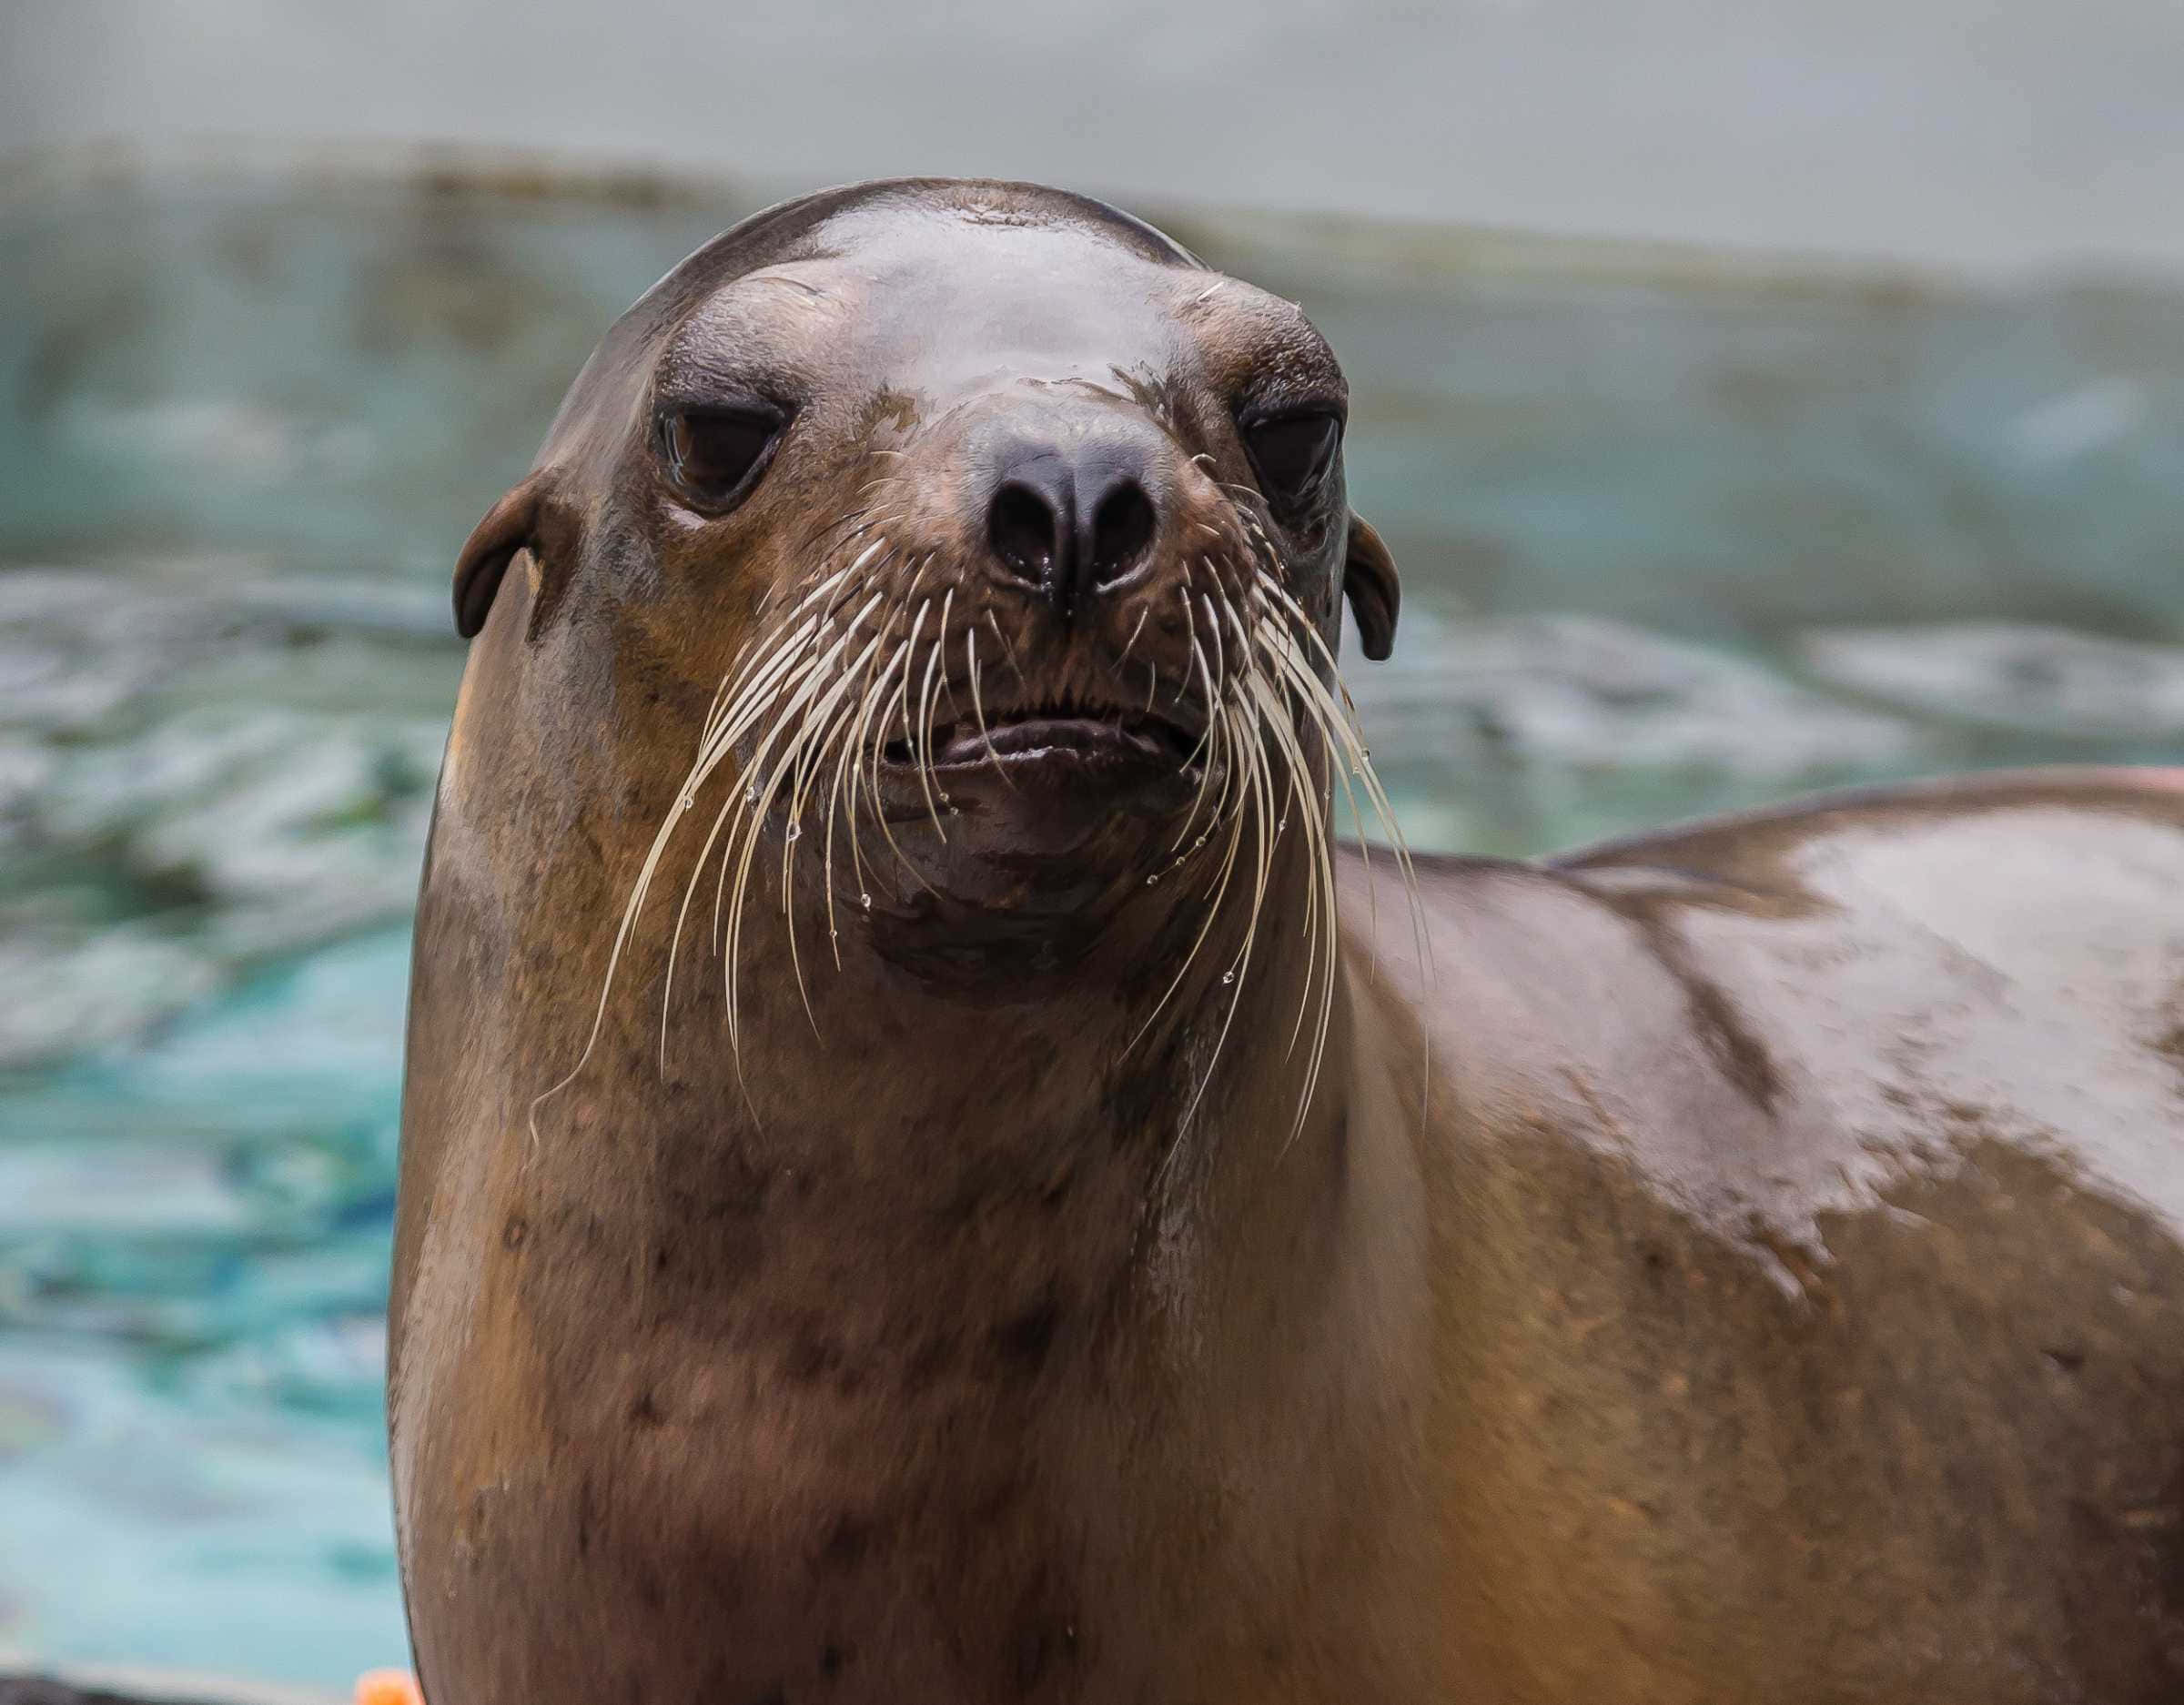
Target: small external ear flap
[
  {"x": 507, "y": 529},
  {"x": 1369, "y": 581}
]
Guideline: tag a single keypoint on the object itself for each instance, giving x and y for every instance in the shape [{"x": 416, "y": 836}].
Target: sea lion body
[
  {"x": 1741, "y": 1264},
  {"x": 1808, "y": 1188}
]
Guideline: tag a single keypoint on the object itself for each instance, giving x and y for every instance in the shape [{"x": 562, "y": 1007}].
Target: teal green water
[{"x": 1672, "y": 543}]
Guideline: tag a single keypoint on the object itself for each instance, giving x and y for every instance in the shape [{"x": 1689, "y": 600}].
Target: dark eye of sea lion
[
  {"x": 716, "y": 454},
  {"x": 1292, "y": 454}
]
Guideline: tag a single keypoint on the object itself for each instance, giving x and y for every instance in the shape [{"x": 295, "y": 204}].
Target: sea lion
[{"x": 927, "y": 1177}]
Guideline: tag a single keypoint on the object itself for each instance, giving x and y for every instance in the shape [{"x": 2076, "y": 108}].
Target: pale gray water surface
[{"x": 1672, "y": 541}]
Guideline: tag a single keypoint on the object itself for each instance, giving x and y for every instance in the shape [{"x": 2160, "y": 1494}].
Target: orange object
[{"x": 387, "y": 1687}]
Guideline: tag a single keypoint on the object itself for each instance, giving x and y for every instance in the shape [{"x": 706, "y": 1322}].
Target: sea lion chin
[{"x": 928, "y": 1176}]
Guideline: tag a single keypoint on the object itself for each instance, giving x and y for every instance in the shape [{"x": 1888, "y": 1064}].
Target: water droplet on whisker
[
  {"x": 1227, "y": 976},
  {"x": 793, "y": 831}
]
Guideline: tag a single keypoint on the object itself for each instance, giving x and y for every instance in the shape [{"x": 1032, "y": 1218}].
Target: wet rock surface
[
  {"x": 47, "y": 1690},
  {"x": 147, "y": 1690},
  {"x": 43, "y": 1690}
]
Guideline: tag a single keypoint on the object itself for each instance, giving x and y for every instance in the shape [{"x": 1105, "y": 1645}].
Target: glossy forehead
[{"x": 947, "y": 292}]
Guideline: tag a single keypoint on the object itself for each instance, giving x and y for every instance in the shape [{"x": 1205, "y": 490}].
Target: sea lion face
[{"x": 1011, "y": 538}]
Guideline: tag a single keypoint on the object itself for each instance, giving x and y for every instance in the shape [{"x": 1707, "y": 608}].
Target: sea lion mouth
[{"x": 1058, "y": 735}]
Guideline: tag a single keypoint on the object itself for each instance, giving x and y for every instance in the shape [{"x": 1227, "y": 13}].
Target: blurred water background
[{"x": 1679, "y": 532}]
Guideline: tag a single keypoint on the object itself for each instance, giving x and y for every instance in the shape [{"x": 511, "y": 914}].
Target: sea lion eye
[
  {"x": 716, "y": 454},
  {"x": 1292, "y": 454}
]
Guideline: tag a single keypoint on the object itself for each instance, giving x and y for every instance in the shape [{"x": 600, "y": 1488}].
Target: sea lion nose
[{"x": 1074, "y": 519}]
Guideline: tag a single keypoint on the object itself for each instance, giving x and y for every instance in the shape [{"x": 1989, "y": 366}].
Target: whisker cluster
[
  {"x": 859, "y": 662},
  {"x": 1278, "y": 741}
]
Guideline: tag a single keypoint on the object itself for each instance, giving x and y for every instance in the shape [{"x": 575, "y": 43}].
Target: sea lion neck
[
  {"x": 820, "y": 1205},
  {"x": 918, "y": 1080},
  {"x": 964, "y": 1146}
]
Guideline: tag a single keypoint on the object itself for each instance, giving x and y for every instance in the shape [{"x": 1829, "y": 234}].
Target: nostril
[
  {"x": 1122, "y": 531},
  {"x": 1022, "y": 527},
  {"x": 1074, "y": 516}
]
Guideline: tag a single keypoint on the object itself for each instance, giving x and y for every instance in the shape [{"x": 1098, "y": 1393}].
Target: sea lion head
[{"x": 974, "y": 536}]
